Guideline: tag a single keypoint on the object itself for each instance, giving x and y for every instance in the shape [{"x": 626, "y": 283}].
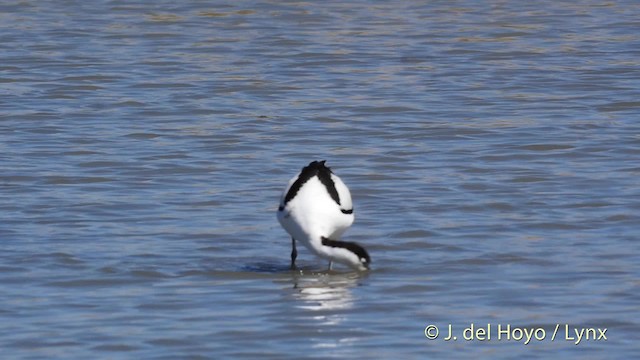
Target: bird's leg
[
  {"x": 294, "y": 254},
  {"x": 330, "y": 265}
]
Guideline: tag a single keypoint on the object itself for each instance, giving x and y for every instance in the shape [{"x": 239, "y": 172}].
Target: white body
[{"x": 313, "y": 214}]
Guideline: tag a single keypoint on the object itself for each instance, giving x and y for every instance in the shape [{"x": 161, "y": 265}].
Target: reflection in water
[
  {"x": 326, "y": 298},
  {"x": 325, "y": 291}
]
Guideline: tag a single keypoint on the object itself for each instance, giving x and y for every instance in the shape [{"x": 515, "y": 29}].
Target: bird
[{"x": 316, "y": 209}]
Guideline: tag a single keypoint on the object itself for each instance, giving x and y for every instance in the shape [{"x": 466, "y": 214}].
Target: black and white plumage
[{"x": 316, "y": 209}]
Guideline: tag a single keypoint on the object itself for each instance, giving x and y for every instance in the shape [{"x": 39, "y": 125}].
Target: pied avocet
[{"x": 316, "y": 209}]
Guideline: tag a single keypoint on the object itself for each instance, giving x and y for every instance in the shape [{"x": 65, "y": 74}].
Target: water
[{"x": 492, "y": 150}]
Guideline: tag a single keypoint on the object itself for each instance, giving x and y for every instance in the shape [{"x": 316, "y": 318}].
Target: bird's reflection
[
  {"x": 325, "y": 290},
  {"x": 322, "y": 304}
]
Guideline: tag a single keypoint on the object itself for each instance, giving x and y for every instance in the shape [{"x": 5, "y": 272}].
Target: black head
[{"x": 363, "y": 256}]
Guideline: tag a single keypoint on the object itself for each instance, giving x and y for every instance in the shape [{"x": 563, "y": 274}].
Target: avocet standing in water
[{"x": 316, "y": 210}]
